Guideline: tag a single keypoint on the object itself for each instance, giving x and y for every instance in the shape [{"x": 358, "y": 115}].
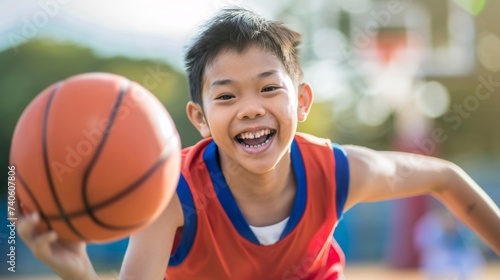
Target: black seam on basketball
[
  {"x": 46, "y": 163},
  {"x": 131, "y": 188},
  {"x": 100, "y": 146},
  {"x": 33, "y": 198},
  {"x": 166, "y": 152}
]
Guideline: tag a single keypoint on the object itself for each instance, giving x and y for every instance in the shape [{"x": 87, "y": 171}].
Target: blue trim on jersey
[
  {"x": 190, "y": 223},
  {"x": 230, "y": 206},
  {"x": 299, "y": 204},
  {"x": 224, "y": 194},
  {"x": 341, "y": 177}
]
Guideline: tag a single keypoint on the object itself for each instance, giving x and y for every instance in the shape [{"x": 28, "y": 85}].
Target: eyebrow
[
  {"x": 223, "y": 82},
  {"x": 267, "y": 74}
]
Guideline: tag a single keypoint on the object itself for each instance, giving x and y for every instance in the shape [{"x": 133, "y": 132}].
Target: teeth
[
  {"x": 253, "y": 135},
  {"x": 259, "y": 145}
]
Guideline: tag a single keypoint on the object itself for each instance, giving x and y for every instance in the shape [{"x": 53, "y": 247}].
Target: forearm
[{"x": 472, "y": 206}]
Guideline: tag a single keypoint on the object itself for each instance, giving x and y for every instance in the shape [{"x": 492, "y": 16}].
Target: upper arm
[
  {"x": 148, "y": 251},
  {"x": 378, "y": 176},
  {"x": 386, "y": 175}
]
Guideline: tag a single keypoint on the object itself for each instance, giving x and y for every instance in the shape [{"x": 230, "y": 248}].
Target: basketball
[{"x": 97, "y": 156}]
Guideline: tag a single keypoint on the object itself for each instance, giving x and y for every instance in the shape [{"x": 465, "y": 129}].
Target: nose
[{"x": 251, "y": 108}]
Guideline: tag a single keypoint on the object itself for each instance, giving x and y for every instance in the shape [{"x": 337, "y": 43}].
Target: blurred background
[{"x": 416, "y": 76}]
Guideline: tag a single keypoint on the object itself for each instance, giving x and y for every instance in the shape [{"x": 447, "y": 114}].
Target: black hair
[{"x": 236, "y": 28}]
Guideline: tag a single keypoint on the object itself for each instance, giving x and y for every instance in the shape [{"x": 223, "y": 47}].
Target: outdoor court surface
[{"x": 353, "y": 272}]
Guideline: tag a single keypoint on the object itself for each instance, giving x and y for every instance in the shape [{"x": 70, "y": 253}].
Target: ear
[
  {"x": 305, "y": 96},
  {"x": 197, "y": 118}
]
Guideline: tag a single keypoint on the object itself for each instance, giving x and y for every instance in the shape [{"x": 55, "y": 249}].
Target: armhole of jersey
[
  {"x": 190, "y": 223},
  {"x": 341, "y": 177}
]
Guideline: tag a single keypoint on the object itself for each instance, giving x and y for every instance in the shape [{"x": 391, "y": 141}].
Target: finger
[
  {"x": 20, "y": 209},
  {"x": 26, "y": 226},
  {"x": 41, "y": 244},
  {"x": 45, "y": 239}
]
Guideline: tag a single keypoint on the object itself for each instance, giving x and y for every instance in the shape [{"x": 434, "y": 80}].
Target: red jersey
[{"x": 216, "y": 242}]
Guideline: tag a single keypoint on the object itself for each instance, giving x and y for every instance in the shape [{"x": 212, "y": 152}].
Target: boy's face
[{"x": 251, "y": 108}]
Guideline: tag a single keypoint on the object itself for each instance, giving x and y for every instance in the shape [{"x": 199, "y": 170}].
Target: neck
[
  {"x": 266, "y": 198},
  {"x": 257, "y": 186}
]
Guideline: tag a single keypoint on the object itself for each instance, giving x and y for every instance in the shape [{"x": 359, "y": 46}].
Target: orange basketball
[{"x": 97, "y": 156}]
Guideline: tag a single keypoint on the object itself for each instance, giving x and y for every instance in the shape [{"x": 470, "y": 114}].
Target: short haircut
[{"x": 236, "y": 28}]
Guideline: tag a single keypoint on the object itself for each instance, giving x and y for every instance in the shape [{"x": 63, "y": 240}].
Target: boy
[{"x": 255, "y": 199}]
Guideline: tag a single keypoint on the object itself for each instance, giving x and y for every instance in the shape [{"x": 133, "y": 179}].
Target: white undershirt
[{"x": 269, "y": 235}]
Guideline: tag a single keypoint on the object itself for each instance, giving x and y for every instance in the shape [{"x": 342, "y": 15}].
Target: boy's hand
[{"x": 66, "y": 258}]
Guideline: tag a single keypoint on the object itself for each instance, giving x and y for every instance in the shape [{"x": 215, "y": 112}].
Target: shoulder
[
  {"x": 171, "y": 218},
  {"x": 199, "y": 146},
  {"x": 362, "y": 159},
  {"x": 153, "y": 242},
  {"x": 371, "y": 173},
  {"x": 193, "y": 155},
  {"x": 304, "y": 138}
]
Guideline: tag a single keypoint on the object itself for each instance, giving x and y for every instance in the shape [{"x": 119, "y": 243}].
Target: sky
[{"x": 156, "y": 29}]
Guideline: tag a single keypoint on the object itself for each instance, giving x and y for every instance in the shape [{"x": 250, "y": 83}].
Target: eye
[
  {"x": 224, "y": 97},
  {"x": 270, "y": 88}
]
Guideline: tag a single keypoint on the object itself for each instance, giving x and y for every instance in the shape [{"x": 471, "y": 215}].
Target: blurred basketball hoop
[
  {"x": 389, "y": 44},
  {"x": 443, "y": 39}
]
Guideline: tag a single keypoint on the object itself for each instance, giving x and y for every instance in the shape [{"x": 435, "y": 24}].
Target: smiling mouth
[{"x": 255, "y": 139}]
